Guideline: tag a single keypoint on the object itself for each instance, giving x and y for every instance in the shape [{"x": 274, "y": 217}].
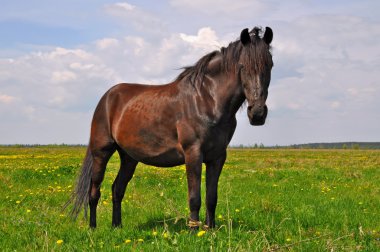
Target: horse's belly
[{"x": 167, "y": 158}]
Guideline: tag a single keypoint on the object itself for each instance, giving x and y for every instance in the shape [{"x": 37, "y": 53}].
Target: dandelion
[
  {"x": 18, "y": 202},
  {"x": 127, "y": 241},
  {"x": 165, "y": 235},
  {"x": 105, "y": 202},
  {"x": 140, "y": 240},
  {"x": 288, "y": 239},
  {"x": 28, "y": 210},
  {"x": 220, "y": 216},
  {"x": 154, "y": 233},
  {"x": 201, "y": 233},
  {"x": 59, "y": 242},
  {"x": 237, "y": 210}
]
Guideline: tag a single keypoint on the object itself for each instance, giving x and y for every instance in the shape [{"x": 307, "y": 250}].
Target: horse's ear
[
  {"x": 244, "y": 37},
  {"x": 268, "y": 35}
]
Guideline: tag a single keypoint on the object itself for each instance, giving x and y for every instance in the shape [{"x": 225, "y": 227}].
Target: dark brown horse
[{"x": 189, "y": 121}]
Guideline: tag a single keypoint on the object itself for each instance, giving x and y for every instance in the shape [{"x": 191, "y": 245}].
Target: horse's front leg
[
  {"x": 213, "y": 170},
  {"x": 193, "y": 160}
]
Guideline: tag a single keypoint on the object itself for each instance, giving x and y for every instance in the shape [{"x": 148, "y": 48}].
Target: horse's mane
[
  {"x": 195, "y": 74},
  {"x": 254, "y": 61}
]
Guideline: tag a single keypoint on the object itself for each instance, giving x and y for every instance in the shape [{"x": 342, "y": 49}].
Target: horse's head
[{"x": 255, "y": 65}]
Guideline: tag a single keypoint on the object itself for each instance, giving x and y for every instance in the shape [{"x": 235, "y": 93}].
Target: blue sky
[{"x": 58, "y": 57}]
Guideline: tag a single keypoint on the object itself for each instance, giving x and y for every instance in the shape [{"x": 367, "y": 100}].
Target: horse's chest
[{"x": 217, "y": 141}]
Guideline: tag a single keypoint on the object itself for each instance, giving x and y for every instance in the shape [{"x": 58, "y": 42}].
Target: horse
[{"x": 188, "y": 121}]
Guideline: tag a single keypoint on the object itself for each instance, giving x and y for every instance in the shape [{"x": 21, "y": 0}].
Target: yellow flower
[
  {"x": 59, "y": 242},
  {"x": 127, "y": 241},
  {"x": 18, "y": 202},
  {"x": 105, "y": 202},
  {"x": 237, "y": 210},
  {"x": 165, "y": 235},
  {"x": 288, "y": 239},
  {"x": 220, "y": 216},
  {"x": 201, "y": 233},
  {"x": 140, "y": 240},
  {"x": 28, "y": 210},
  {"x": 154, "y": 233}
]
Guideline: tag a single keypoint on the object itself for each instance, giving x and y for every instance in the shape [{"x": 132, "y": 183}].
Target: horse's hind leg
[
  {"x": 127, "y": 168},
  {"x": 100, "y": 160}
]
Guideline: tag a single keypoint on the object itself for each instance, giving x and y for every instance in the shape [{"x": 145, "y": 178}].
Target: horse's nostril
[{"x": 249, "y": 108}]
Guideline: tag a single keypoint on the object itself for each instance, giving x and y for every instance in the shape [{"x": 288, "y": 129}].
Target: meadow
[{"x": 269, "y": 200}]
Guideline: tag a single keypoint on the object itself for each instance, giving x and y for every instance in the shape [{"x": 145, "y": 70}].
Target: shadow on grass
[{"x": 175, "y": 224}]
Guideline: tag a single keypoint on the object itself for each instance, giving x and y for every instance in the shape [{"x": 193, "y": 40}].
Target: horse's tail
[{"x": 80, "y": 196}]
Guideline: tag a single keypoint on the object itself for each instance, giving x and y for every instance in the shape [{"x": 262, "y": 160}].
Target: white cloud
[
  {"x": 74, "y": 79},
  {"x": 106, "y": 43},
  {"x": 206, "y": 38},
  {"x": 125, "y": 6},
  {"x": 6, "y": 99},
  {"x": 63, "y": 76}
]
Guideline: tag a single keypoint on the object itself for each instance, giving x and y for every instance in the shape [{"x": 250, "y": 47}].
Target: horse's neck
[
  {"x": 226, "y": 91},
  {"x": 231, "y": 95}
]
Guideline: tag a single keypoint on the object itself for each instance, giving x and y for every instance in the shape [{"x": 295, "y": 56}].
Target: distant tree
[
  {"x": 355, "y": 146},
  {"x": 344, "y": 146}
]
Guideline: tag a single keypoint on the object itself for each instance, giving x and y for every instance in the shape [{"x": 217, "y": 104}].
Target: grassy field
[{"x": 269, "y": 200}]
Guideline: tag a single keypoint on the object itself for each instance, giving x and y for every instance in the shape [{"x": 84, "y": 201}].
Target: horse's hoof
[{"x": 194, "y": 225}]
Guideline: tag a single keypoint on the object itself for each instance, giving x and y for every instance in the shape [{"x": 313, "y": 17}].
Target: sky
[{"x": 57, "y": 58}]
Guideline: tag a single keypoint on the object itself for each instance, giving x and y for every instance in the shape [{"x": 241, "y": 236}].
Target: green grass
[{"x": 269, "y": 200}]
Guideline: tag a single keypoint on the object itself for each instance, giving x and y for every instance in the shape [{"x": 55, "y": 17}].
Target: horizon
[
  {"x": 56, "y": 62},
  {"x": 250, "y": 146}
]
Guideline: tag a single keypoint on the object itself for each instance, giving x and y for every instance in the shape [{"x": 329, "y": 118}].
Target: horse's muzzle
[{"x": 257, "y": 114}]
